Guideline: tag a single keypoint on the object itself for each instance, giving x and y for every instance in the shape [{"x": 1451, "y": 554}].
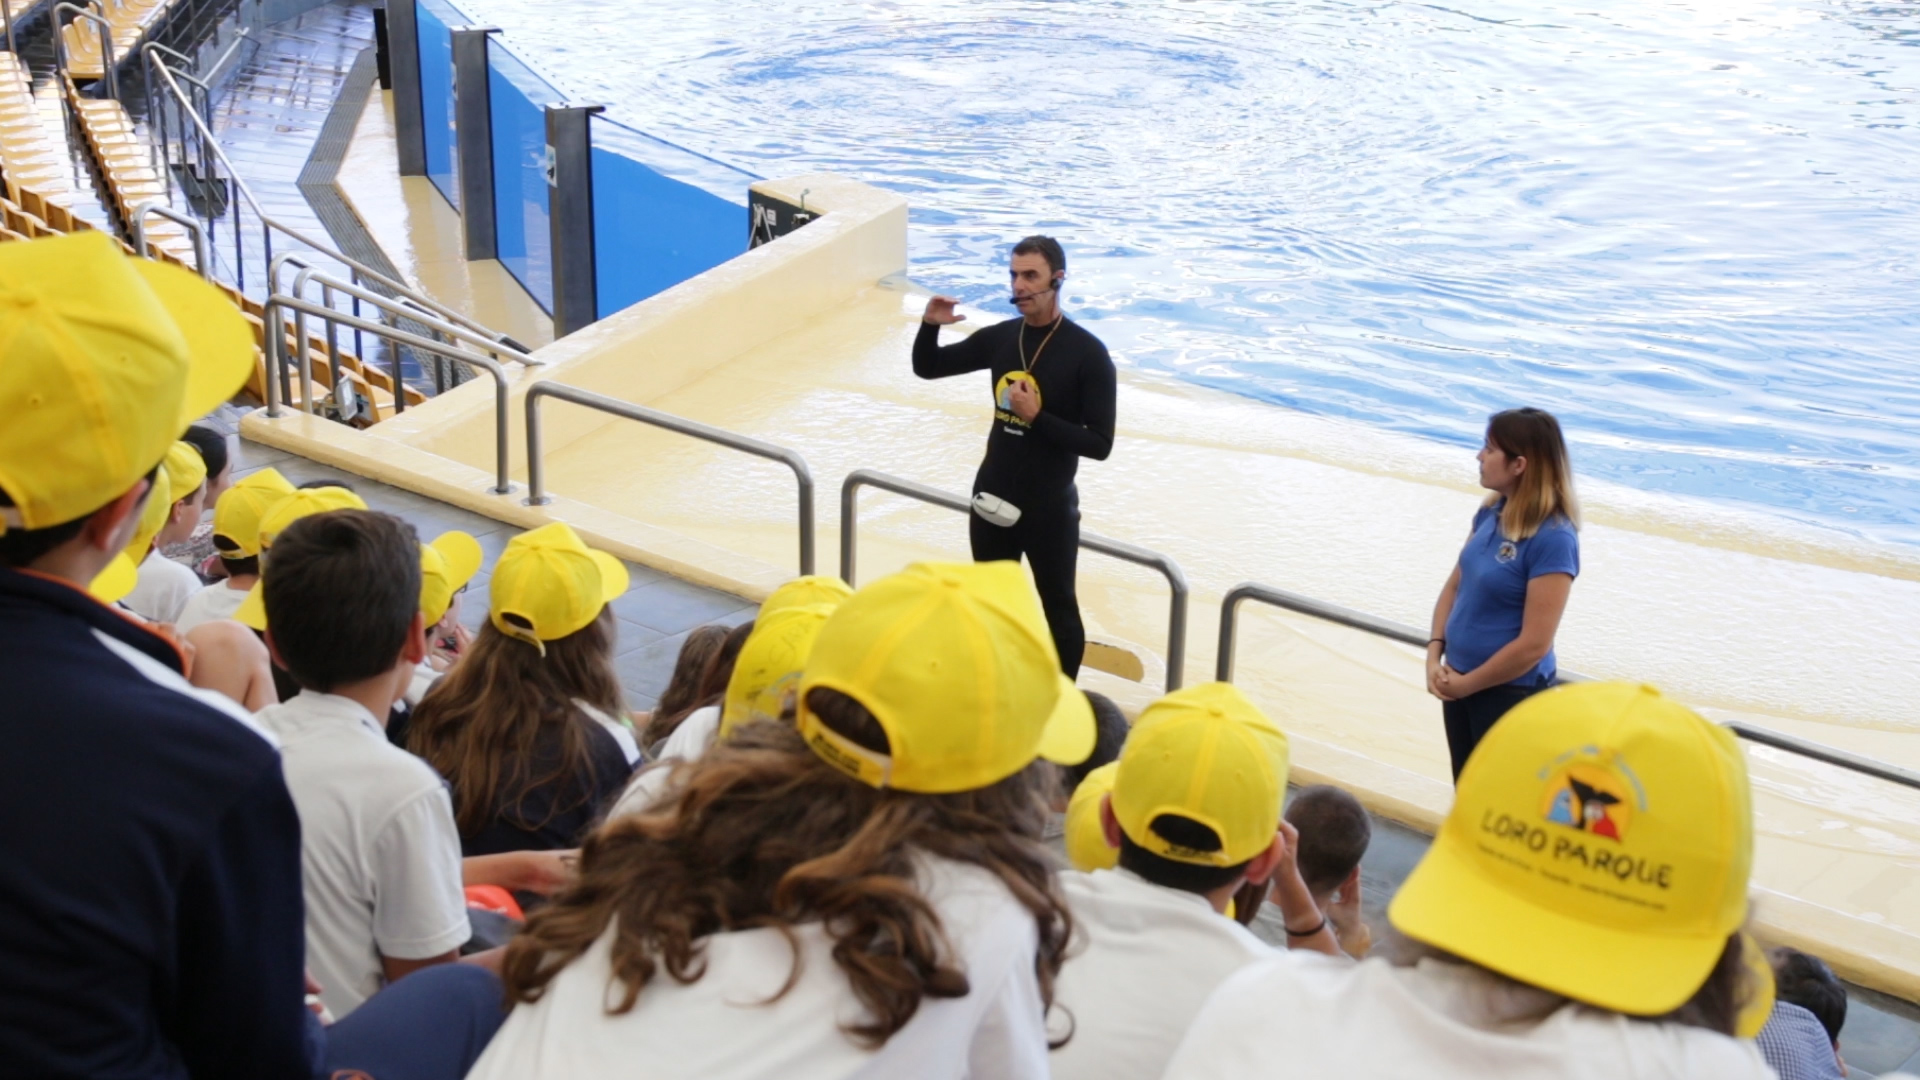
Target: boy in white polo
[
  {"x": 380, "y": 852},
  {"x": 1194, "y": 812}
]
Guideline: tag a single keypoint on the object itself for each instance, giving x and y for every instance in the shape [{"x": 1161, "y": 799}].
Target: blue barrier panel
[
  {"x": 517, "y": 100},
  {"x": 661, "y": 214},
  {"x": 436, "y": 92}
]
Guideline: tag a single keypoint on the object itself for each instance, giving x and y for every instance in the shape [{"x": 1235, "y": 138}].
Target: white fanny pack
[{"x": 995, "y": 509}]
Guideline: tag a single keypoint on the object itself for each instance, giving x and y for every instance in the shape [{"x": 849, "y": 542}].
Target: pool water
[{"x": 1689, "y": 228}]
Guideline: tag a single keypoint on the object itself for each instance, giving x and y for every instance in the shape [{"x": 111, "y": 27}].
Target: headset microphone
[{"x": 1052, "y": 286}]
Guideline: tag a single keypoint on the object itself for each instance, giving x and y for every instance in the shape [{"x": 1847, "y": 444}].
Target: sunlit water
[{"x": 1689, "y": 228}]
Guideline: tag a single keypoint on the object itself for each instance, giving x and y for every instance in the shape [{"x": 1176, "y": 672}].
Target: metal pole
[
  {"x": 1139, "y": 556},
  {"x": 7, "y": 7},
  {"x": 536, "y": 483}
]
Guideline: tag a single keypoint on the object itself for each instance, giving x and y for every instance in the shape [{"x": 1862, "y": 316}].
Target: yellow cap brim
[
  {"x": 1447, "y": 902},
  {"x": 613, "y": 575},
  {"x": 1069, "y": 734},
  {"x": 219, "y": 341},
  {"x": 116, "y": 581},
  {"x": 253, "y": 608},
  {"x": 462, "y": 556},
  {"x": 1759, "y": 1005}
]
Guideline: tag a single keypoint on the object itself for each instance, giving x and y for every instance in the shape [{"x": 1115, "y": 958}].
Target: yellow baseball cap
[
  {"x": 810, "y": 589},
  {"x": 768, "y": 667},
  {"x": 238, "y": 512},
  {"x": 1087, "y": 847},
  {"x": 112, "y": 584},
  {"x": 186, "y": 470},
  {"x": 1208, "y": 754},
  {"x": 955, "y": 663},
  {"x": 107, "y": 360},
  {"x": 446, "y": 564},
  {"x": 549, "y": 584},
  {"x": 304, "y": 502},
  {"x": 291, "y": 507},
  {"x": 1599, "y": 847},
  {"x": 1759, "y": 1004}
]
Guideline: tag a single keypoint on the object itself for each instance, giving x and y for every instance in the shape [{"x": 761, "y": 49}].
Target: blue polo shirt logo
[{"x": 1507, "y": 552}]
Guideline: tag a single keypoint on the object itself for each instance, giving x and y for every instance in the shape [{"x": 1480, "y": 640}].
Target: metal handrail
[
  {"x": 536, "y": 478},
  {"x": 276, "y": 334},
  {"x": 109, "y": 73},
  {"x": 1119, "y": 549},
  {"x": 1407, "y": 635},
  {"x": 364, "y": 271},
  {"x": 397, "y": 307},
  {"x": 186, "y": 221}
]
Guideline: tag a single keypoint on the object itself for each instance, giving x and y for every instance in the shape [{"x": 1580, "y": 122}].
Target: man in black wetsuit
[{"x": 1053, "y": 396}]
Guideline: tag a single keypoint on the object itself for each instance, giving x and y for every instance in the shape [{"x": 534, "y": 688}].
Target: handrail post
[
  {"x": 192, "y": 225},
  {"x": 536, "y": 448},
  {"x": 1139, "y": 556},
  {"x": 536, "y": 471}
]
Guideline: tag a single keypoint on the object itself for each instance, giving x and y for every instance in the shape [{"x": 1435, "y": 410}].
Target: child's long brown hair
[
  {"x": 480, "y": 724},
  {"x": 760, "y": 832}
]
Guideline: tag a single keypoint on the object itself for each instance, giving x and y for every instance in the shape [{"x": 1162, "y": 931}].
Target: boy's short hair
[
  {"x": 1334, "y": 834},
  {"x": 342, "y": 589},
  {"x": 1172, "y": 873},
  {"x": 20, "y": 548},
  {"x": 1109, "y": 735},
  {"x": 212, "y": 446},
  {"x": 1805, "y": 980}
]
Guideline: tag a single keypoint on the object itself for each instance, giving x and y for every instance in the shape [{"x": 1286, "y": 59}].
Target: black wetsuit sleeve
[
  {"x": 242, "y": 942},
  {"x": 1094, "y": 437},
  {"x": 932, "y": 360}
]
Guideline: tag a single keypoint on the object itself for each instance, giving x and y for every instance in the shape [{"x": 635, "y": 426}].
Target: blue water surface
[{"x": 1690, "y": 228}]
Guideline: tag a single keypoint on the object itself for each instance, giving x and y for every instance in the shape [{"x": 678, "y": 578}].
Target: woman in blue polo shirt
[{"x": 1494, "y": 623}]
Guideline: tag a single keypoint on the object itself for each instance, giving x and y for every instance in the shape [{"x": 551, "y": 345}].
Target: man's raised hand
[{"x": 940, "y": 311}]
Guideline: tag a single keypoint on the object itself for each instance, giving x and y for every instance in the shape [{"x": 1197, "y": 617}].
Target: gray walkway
[{"x": 655, "y": 614}]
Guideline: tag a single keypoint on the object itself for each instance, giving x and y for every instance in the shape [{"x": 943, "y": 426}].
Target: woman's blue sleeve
[{"x": 1555, "y": 549}]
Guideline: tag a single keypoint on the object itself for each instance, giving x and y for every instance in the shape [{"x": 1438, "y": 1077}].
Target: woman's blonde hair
[{"x": 1546, "y": 486}]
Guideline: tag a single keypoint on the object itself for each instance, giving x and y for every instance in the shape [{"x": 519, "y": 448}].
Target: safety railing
[
  {"x": 536, "y": 471},
  {"x": 110, "y": 77},
  {"x": 156, "y": 208},
  {"x": 1407, "y": 635},
  {"x": 1118, "y": 549},
  {"x": 278, "y": 306},
  {"x": 399, "y": 313},
  {"x": 189, "y": 117}
]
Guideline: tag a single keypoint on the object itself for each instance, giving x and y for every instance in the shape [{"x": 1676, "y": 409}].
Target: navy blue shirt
[
  {"x": 151, "y": 922},
  {"x": 1494, "y": 573}
]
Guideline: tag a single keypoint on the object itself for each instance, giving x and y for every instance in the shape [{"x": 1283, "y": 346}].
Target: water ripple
[{"x": 1689, "y": 227}]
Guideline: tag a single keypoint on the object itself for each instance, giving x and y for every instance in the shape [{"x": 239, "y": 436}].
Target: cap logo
[
  {"x": 1598, "y": 795},
  {"x": 1591, "y": 792}
]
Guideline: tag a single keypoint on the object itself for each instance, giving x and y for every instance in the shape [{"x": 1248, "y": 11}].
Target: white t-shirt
[
  {"x": 1143, "y": 960},
  {"x": 622, "y": 733},
  {"x": 1316, "y": 1016},
  {"x": 161, "y": 589},
  {"x": 423, "y": 679},
  {"x": 718, "y": 1027},
  {"x": 216, "y": 601},
  {"x": 379, "y": 853},
  {"x": 692, "y": 739}
]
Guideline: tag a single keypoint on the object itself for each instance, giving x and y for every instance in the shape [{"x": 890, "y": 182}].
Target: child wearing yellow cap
[
  {"x": 164, "y": 585},
  {"x": 236, "y": 539},
  {"x": 1578, "y": 915},
  {"x": 527, "y": 728},
  {"x": 865, "y": 892},
  {"x": 1192, "y": 813},
  {"x": 761, "y": 687},
  {"x": 152, "y": 884}
]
